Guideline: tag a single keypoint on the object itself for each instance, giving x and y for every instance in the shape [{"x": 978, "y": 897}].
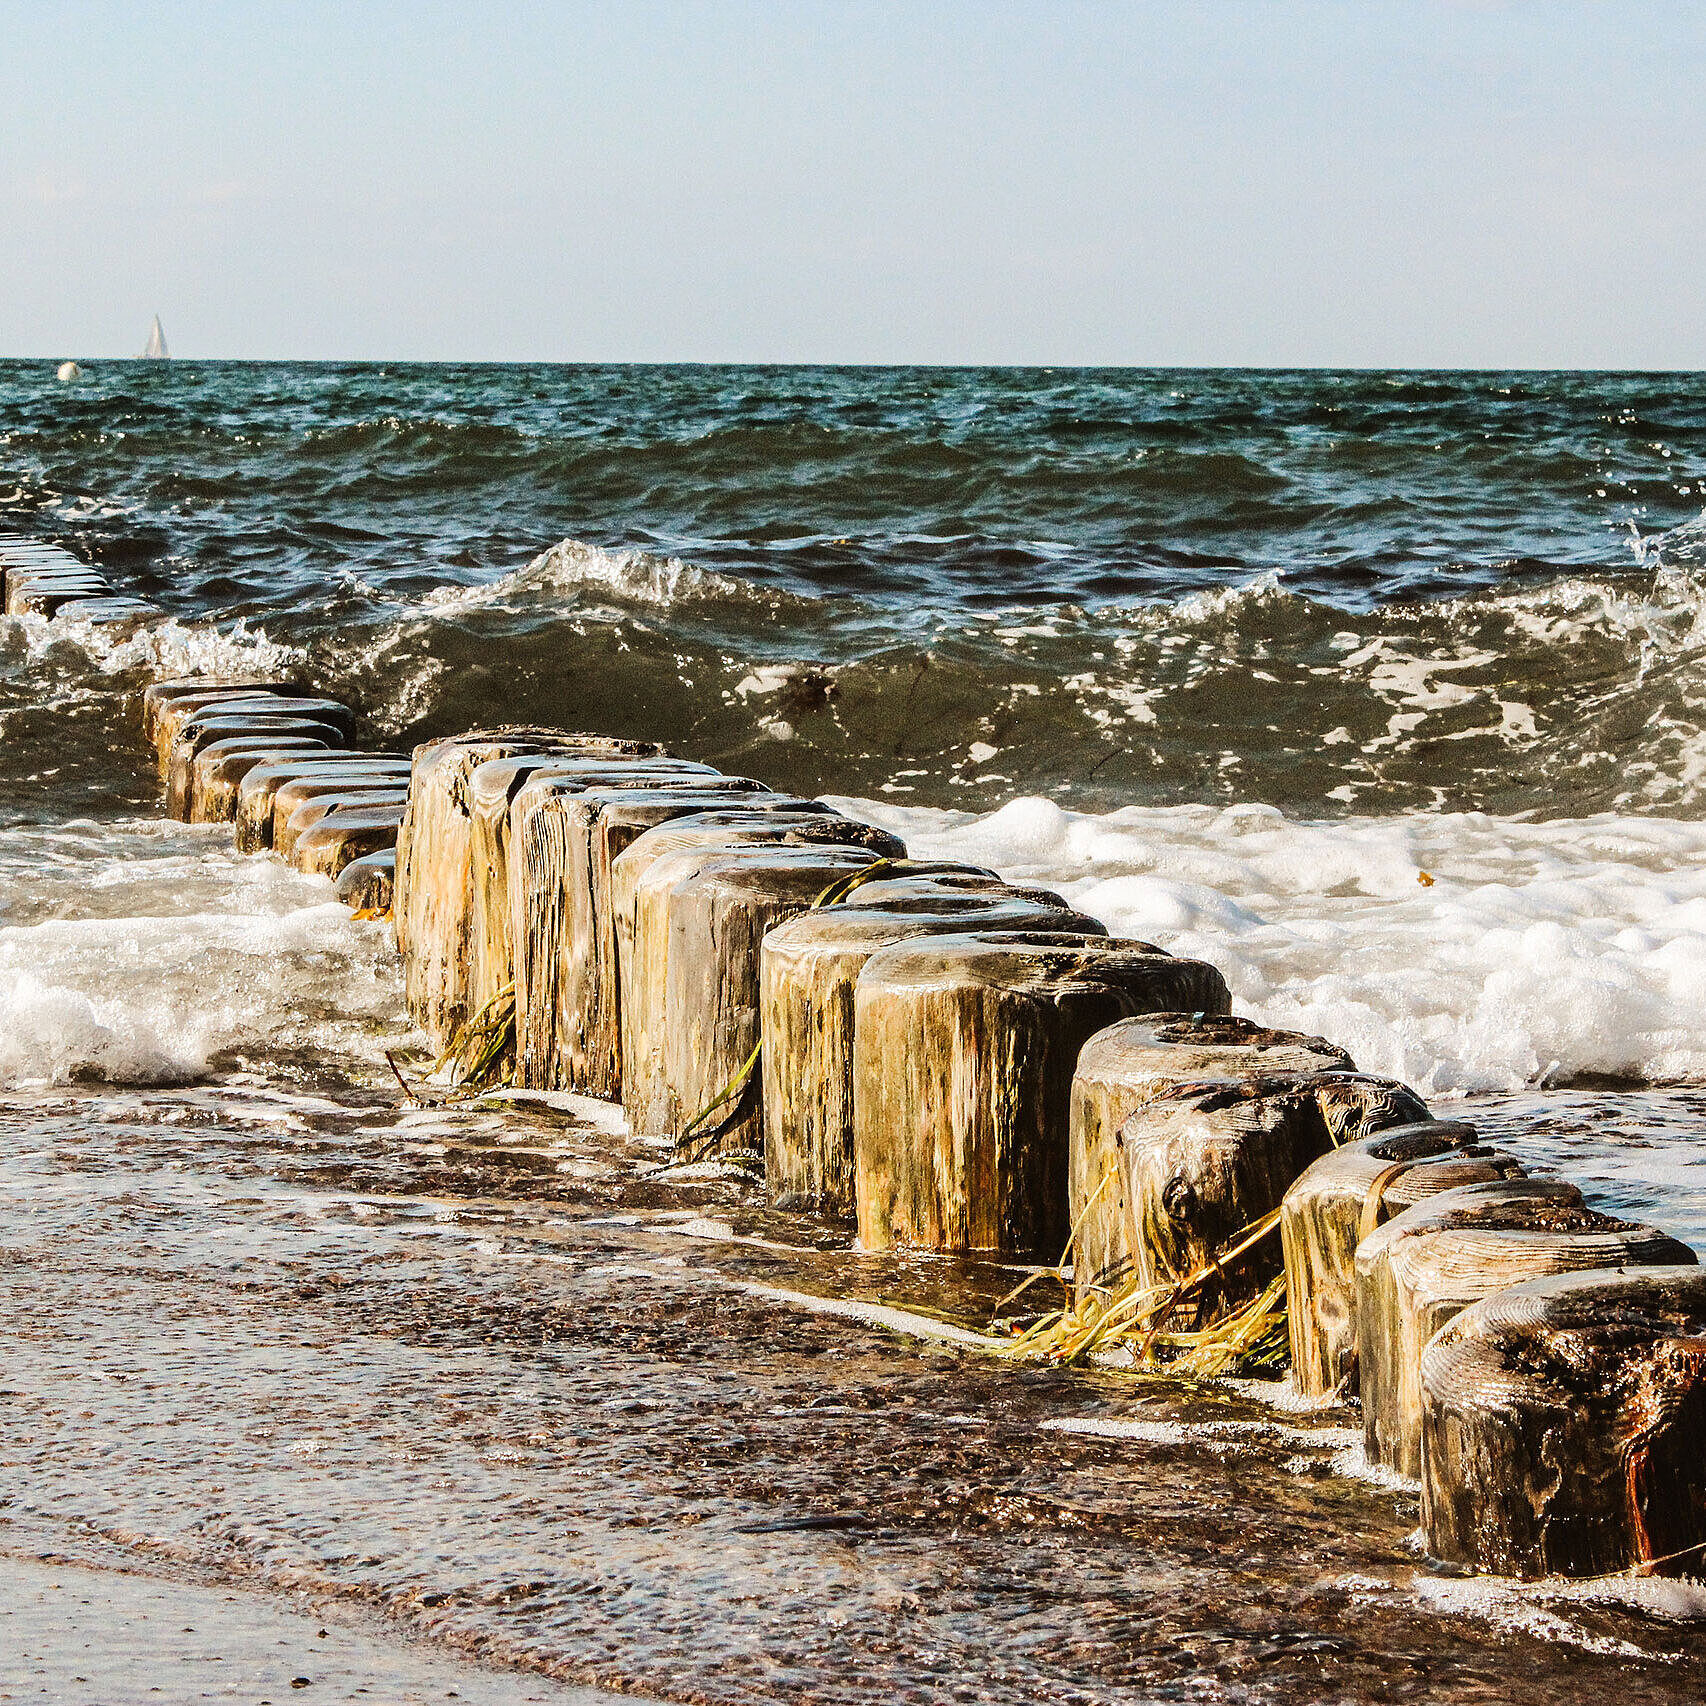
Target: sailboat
[{"x": 156, "y": 350}]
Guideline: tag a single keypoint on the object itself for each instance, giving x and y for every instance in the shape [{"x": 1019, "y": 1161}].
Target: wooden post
[
  {"x": 1127, "y": 1065},
  {"x": 1564, "y": 1427},
  {"x": 964, "y": 1049},
  {"x": 433, "y": 901},
  {"x": 220, "y": 768},
  {"x": 562, "y": 840},
  {"x": 209, "y": 728},
  {"x": 640, "y": 882},
  {"x": 808, "y": 969},
  {"x": 1345, "y": 1194},
  {"x": 1204, "y": 1159},
  {"x": 177, "y": 717},
  {"x": 157, "y": 695},
  {"x": 365, "y": 883},
  {"x": 717, "y": 910},
  {"x": 343, "y": 835},
  {"x": 492, "y": 789},
  {"x": 1432, "y": 1261},
  {"x": 310, "y": 812},
  {"x": 257, "y": 791},
  {"x": 349, "y": 784}
]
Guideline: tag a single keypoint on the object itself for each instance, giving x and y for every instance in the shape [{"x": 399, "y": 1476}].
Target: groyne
[{"x": 948, "y": 1062}]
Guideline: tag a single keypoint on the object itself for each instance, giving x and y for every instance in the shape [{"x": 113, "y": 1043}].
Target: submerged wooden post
[
  {"x": 433, "y": 900},
  {"x": 1126, "y": 1066},
  {"x": 1432, "y": 1261},
  {"x": 1564, "y": 1427},
  {"x": 641, "y": 879},
  {"x": 563, "y": 837},
  {"x": 964, "y": 1049},
  {"x": 1334, "y": 1204},
  {"x": 1204, "y": 1159},
  {"x": 808, "y": 969}
]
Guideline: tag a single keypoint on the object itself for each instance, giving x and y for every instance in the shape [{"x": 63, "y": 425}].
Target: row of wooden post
[{"x": 954, "y": 1063}]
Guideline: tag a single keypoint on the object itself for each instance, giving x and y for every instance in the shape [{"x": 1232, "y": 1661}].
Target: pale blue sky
[{"x": 1374, "y": 182}]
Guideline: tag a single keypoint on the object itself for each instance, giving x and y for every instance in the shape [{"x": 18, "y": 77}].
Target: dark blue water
[{"x": 1330, "y": 591}]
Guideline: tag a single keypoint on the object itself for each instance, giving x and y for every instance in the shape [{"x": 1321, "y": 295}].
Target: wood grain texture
[
  {"x": 964, "y": 1048},
  {"x": 567, "y": 993},
  {"x": 433, "y": 905},
  {"x": 1564, "y": 1426},
  {"x": 808, "y": 970},
  {"x": 252, "y": 825},
  {"x": 643, "y": 877},
  {"x": 1325, "y": 1213},
  {"x": 220, "y": 768},
  {"x": 1124, "y": 1067},
  {"x": 1432, "y": 1261},
  {"x": 1202, "y": 1160}
]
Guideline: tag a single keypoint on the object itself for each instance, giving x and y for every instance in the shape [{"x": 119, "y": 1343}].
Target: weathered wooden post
[
  {"x": 365, "y": 883},
  {"x": 1564, "y": 1427},
  {"x": 808, "y": 969},
  {"x": 1432, "y": 1261},
  {"x": 1127, "y": 1065},
  {"x": 717, "y": 909},
  {"x": 432, "y": 903},
  {"x": 157, "y": 695},
  {"x": 380, "y": 777},
  {"x": 216, "y": 725},
  {"x": 220, "y": 768},
  {"x": 1205, "y": 1159},
  {"x": 258, "y": 791},
  {"x": 1335, "y": 1203},
  {"x": 312, "y": 811},
  {"x": 963, "y": 1053},
  {"x": 177, "y": 718},
  {"x": 492, "y": 790},
  {"x": 641, "y": 947},
  {"x": 343, "y": 835},
  {"x": 563, "y": 837}
]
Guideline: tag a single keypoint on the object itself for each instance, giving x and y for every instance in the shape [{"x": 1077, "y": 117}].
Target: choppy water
[{"x": 1384, "y": 692}]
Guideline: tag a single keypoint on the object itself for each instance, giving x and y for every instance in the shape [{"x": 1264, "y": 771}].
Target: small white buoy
[{"x": 68, "y": 371}]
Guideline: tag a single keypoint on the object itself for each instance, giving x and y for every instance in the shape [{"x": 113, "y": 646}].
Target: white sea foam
[
  {"x": 134, "y": 953},
  {"x": 1457, "y": 951},
  {"x": 637, "y": 577},
  {"x": 165, "y": 648}
]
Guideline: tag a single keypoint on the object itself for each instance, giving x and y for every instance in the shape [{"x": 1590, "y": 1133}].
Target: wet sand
[
  {"x": 72, "y": 1635},
  {"x": 476, "y": 1374}
]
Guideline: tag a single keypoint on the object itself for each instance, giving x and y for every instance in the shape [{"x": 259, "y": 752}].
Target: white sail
[{"x": 157, "y": 342}]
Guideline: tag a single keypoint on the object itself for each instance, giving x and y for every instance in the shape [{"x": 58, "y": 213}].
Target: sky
[{"x": 1185, "y": 182}]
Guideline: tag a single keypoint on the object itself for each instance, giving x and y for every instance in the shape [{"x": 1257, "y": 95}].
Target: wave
[{"x": 1579, "y": 696}]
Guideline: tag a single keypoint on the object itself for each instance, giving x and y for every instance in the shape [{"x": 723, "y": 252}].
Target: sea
[{"x": 1383, "y": 691}]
